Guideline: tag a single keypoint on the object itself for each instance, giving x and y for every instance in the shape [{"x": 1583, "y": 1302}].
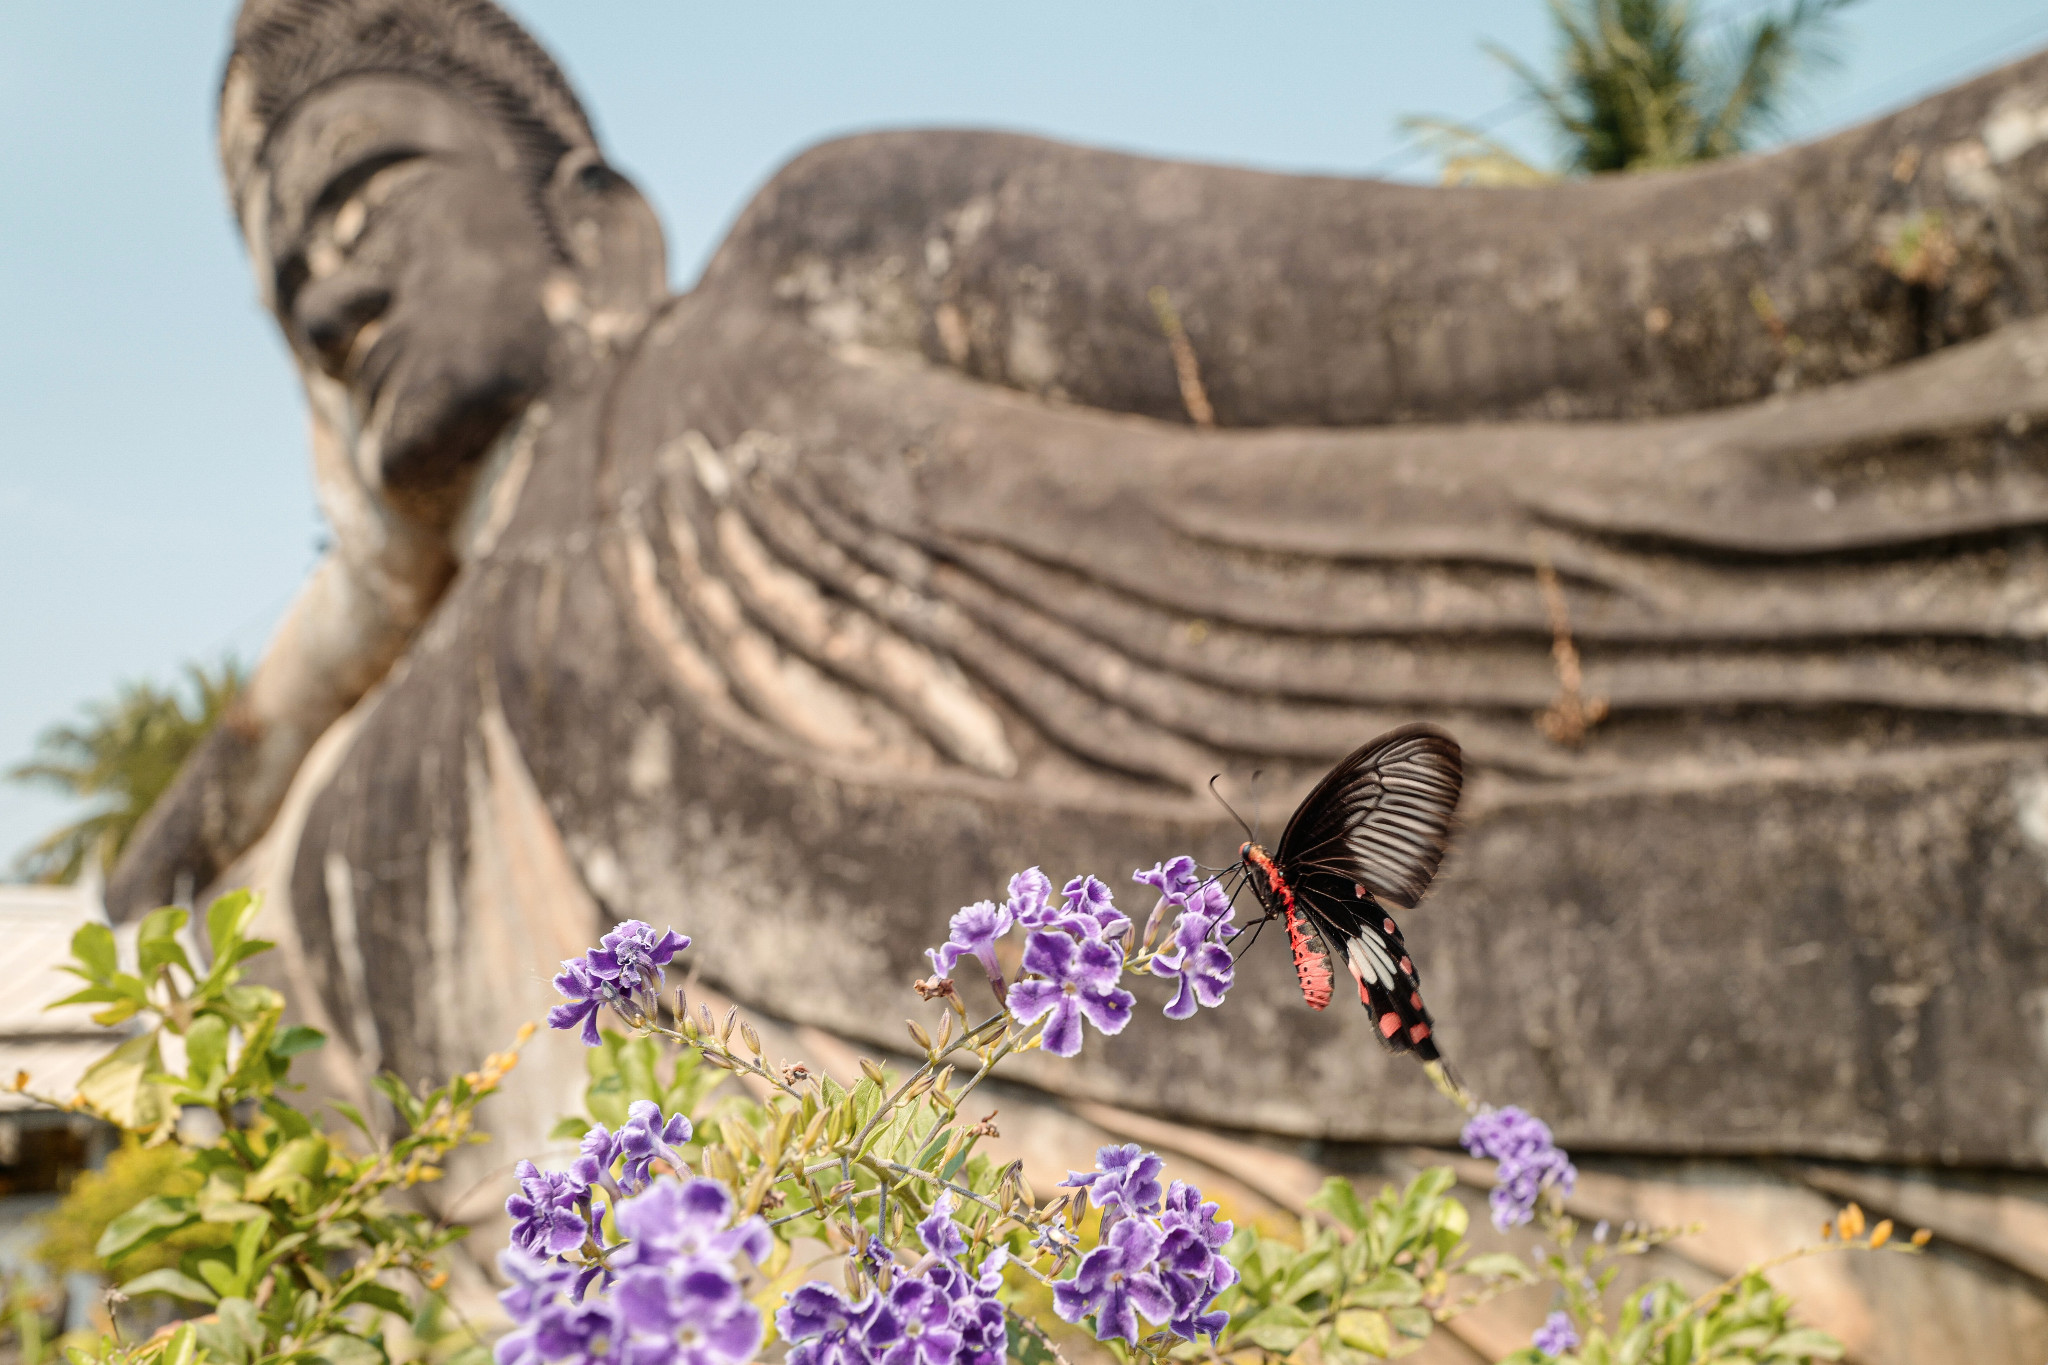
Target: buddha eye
[{"x": 349, "y": 220}]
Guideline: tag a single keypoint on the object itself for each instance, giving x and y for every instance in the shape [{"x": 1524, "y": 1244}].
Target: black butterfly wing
[
  {"x": 1382, "y": 817},
  {"x": 1364, "y": 937}
]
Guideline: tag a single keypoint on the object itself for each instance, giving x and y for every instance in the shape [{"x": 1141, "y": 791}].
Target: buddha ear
[{"x": 610, "y": 231}]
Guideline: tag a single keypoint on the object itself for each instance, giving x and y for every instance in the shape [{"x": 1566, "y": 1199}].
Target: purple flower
[
  {"x": 1556, "y": 1335},
  {"x": 644, "y": 1138},
  {"x": 550, "y": 1213},
  {"x": 923, "y": 1322},
  {"x": 1529, "y": 1162},
  {"x": 1089, "y": 911},
  {"x": 594, "y": 1157},
  {"x": 1126, "y": 1179},
  {"x": 694, "y": 1313},
  {"x": 633, "y": 954},
  {"x": 1116, "y": 1281},
  {"x": 824, "y": 1327},
  {"x": 984, "y": 1337},
  {"x": 939, "y": 1233},
  {"x": 685, "y": 1220},
  {"x": 1030, "y": 902},
  {"x": 534, "y": 1284},
  {"x": 1175, "y": 878},
  {"x": 587, "y": 995},
  {"x": 974, "y": 932},
  {"x": 943, "y": 1316},
  {"x": 579, "y": 1331},
  {"x": 1195, "y": 955},
  {"x": 1080, "y": 980},
  {"x": 1192, "y": 1267}
]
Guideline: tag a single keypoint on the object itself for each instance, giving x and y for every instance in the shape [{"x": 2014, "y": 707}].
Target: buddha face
[{"x": 407, "y": 253}]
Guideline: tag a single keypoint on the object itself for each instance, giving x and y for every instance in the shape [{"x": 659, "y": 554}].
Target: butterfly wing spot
[
  {"x": 1418, "y": 1033},
  {"x": 1407, "y": 967},
  {"x": 1390, "y": 1024}
]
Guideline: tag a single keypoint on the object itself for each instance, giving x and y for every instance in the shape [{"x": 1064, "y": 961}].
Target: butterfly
[{"x": 1369, "y": 836}]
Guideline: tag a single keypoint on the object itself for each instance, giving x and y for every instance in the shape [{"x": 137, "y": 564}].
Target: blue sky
[{"x": 155, "y": 504}]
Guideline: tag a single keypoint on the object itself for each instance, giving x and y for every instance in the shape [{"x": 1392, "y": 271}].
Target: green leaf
[
  {"x": 1390, "y": 1288},
  {"x": 206, "y": 1048},
  {"x": 342, "y": 1349},
  {"x": 220, "y": 1199},
  {"x": 1498, "y": 1265},
  {"x": 289, "y": 1170},
  {"x": 867, "y": 1102},
  {"x": 93, "y": 947},
  {"x": 247, "y": 1242},
  {"x": 154, "y": 1218},
  {"x": 1804, "y": 1344},
  {"x": 1432, "y": 1184},
  {"x": 156, "y": 943},
  {"x": 570, "y": 1128},
  {"x": 379, "y": 1296},
  {"x": 118, "y": 1084},
  {"x": 222, "y": 1277},
  {"x": 227, "y": 919},
  {"x": 90, "y": 995},
  {"x": 1412, "y": 1322},
  {"x": 233, "y": 1333},
  {"x": 169, "y": 1281},
  {"x": 1279, "y": 1328},
  {"x": 355, "y": 1116},
  {"x": 1365, "y": 1330},
  {"x": 296, "y": 1039},
  {"x": 1339, "y": 1198}
]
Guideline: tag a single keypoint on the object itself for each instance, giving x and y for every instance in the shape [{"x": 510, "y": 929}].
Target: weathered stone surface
[
  {"x": 1344, "y": 302},
  {"x": 734, "y": 611}
]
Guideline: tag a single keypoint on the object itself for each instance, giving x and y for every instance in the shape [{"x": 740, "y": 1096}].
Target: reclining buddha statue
[{"x": 988, "y": 496}]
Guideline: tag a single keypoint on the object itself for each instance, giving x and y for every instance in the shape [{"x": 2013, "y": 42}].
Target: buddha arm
[
  {"x": 350, "y": 622},
  {"x": 1334, "y": 302}
]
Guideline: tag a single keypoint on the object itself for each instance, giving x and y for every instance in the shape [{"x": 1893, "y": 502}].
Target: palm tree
[
  {"x": 123, "y": 756},
  {"x": 1642, "y": 87}
]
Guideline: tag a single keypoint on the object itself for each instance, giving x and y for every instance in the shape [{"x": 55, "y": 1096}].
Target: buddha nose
[{"x": 332, "y": 313}]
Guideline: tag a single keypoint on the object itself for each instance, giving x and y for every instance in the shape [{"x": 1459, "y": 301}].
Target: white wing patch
[{"x": 1369, "y": 961}]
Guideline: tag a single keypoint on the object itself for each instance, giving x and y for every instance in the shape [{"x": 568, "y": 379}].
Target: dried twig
[
  {"x": 1571, "y": 714},
  {"x": 1185, "y": 366}
]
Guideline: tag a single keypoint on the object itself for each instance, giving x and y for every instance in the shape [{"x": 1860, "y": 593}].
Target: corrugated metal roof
[
  {"x": 53, "y": 1046},
  {"x": 36, "y": 925}
]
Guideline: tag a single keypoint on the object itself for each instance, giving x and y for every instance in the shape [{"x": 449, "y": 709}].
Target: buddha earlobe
[{"x": 610, "y": 232}]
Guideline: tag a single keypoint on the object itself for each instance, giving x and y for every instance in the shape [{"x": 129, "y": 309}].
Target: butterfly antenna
[{"x": 1232, "y": 809}]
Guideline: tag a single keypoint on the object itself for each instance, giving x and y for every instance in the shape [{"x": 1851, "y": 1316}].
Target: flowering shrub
[{"x": 668, "y": 1239}]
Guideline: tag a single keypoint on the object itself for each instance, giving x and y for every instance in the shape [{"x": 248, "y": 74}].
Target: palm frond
[
  {"x": 1637, "y": 85},
  {"x": 122, "y": 756}
]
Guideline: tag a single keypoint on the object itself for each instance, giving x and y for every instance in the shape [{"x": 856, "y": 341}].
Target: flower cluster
[
  {"x": 1077, "y": 946},
  {"x": 552, "y": 1212},
  {"x": 934, "y": 1313},
  {"x": 624, "y": 971},
  {"x": 674, "y": 1296},
  {"x": 1162, "y": 1257},
  {"x": 1195, "y": 956},
  {"x": 1529, "y": 1161},
  {"x": 1556, "y": 1336}
]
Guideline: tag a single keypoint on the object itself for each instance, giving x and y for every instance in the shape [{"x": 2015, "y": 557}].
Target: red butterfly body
[{"x": 1374, "y": 830}]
